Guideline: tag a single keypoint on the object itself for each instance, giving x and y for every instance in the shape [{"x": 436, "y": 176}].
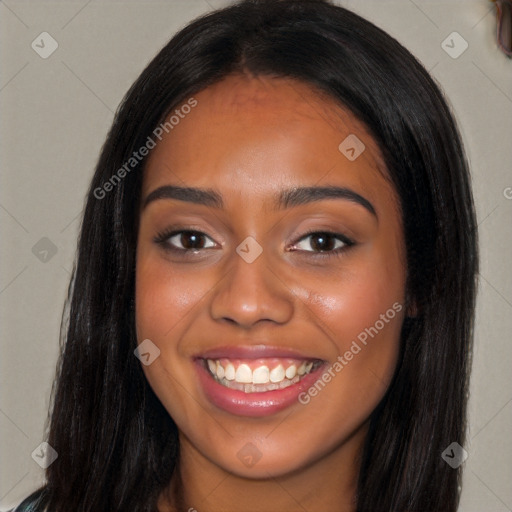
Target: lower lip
[{"x": 253, "y": 404}]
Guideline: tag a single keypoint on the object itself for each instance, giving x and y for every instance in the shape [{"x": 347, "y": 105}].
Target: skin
[{"x": 249, "y": 138}]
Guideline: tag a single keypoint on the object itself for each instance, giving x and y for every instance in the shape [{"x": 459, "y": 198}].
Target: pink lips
[
  {"x": 252, "y": 404},
  {"x": 251, "y": 352}
]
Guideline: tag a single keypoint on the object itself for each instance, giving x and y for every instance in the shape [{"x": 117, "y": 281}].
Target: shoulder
[{"x": 32, "y": 503}]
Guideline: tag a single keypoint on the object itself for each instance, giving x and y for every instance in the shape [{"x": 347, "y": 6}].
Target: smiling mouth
[{"x": 260, "y": 375}]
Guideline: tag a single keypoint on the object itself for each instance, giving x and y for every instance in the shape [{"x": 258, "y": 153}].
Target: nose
[{"x": 250, "y": 293}]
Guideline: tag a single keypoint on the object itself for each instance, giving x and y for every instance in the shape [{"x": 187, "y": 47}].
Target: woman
[{"x": 273, "y": 297}]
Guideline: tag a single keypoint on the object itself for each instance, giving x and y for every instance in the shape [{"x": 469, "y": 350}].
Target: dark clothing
[{"x": 33, "y": 503}]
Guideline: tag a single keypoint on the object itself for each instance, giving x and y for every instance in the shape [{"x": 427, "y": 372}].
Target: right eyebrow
[{"x": 206, "y": 197}]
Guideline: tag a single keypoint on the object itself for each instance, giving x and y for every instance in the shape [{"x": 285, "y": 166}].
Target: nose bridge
[{"x": 251, "y": 291}]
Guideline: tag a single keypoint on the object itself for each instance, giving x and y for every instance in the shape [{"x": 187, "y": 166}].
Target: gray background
[{"x": 55, "y": 113}]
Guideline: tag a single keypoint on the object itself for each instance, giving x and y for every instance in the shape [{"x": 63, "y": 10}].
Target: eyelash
[{"x": 162, "y": 239}]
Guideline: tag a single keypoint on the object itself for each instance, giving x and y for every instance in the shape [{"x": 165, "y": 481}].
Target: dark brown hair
[{"x": 117, "y": 445}]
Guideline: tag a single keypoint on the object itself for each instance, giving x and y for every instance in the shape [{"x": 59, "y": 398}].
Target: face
[{"x": 271, "y": 257}]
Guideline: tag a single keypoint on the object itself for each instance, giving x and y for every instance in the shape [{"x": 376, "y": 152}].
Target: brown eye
[
  {"x": 323, "y": 241},
  {"x": 191, "y": 240},
  {"x": 184, "y": 240}
]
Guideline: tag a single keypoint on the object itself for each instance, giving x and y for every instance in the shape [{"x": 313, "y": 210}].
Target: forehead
[{"x": 254, "y": 135}]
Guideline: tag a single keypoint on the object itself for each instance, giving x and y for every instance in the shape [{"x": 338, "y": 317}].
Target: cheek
[
  {"x": 355, "y": 301},
  {"x": 165, "y": 298},
  {"x": 362, "y": 313},
  {"x": 165, "y": 305}
]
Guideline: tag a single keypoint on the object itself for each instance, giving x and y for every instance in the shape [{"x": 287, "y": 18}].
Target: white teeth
[
  {"x": 229, "y": 372},
  {"x": 277, "y": 374},
  {"x": 261, "y": 379},
  {"x": 219, "y": 370},
  {"x": 261, "y": 375},
  {"x": 244, "y": 374},
  {"x": 291, "y": 371},
  {"x": 259, "y": 388}
]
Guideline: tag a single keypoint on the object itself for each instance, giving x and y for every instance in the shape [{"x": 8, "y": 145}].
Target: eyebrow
[{"x": 286, "y": 199}]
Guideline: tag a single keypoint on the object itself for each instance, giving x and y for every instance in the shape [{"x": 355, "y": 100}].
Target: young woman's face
[{"x": 291, "y": 294}]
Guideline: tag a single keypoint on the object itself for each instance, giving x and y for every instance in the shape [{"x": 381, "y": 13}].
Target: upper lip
[{"x": 252, "y": 352}]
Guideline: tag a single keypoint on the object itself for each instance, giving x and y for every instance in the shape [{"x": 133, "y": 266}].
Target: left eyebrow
[
  {"x": 303, "y": 195},
  {"x": 286, "y": 198}
]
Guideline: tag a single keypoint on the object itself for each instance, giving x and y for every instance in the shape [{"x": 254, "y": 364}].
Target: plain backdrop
[{"x": 55, "y": 113}]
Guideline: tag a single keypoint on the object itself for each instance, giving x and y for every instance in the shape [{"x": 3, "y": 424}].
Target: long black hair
[{"x": 117, "y": 445}]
